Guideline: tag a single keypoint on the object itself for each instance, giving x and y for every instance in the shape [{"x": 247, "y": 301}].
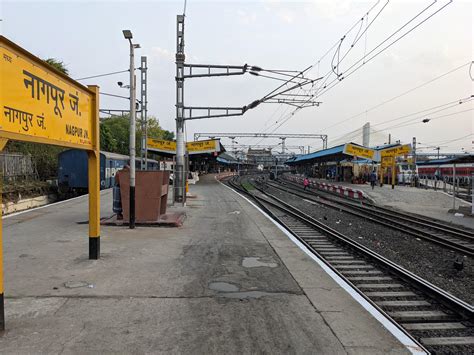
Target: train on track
[{"x": 72, "y": 170}]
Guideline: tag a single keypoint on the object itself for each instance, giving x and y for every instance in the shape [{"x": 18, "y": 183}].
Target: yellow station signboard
[
  {"x": 396, "y": 151},
  {"x": 197, "y": 147},
  {"x": 161, "y": 145},
  {"x": 359, "y": 151},
  {"x": 39, "y": 104},
  {"x": 200, "y": 147},
  {"x": 387, "y": 161}
]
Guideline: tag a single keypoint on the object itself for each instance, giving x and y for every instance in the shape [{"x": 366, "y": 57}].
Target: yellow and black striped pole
[
  {"x": 2, "y": 307},
  {"x": 94, "y": 181},
  {"x": 3, "y": 142}
]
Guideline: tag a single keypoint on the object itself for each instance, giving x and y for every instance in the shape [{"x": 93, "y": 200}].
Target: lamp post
[{"x": 128, "y": 35}]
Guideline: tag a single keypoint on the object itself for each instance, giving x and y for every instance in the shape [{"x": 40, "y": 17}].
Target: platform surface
[
  {"x": 228, "y": 281},
  {"x": 426, "y": 202}
]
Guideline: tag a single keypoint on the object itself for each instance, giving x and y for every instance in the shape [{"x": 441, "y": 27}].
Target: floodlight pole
[
  {"x": 180, "y": 177},
  {"x": 143, "y": 113},
  {"x": 128, "y": 35}
]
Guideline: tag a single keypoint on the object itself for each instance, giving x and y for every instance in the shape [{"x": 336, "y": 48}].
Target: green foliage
[
  {"x": 45, "y": 157},
  {"x": 58, "y": 64},
  {"x": 115, "y": 131}
]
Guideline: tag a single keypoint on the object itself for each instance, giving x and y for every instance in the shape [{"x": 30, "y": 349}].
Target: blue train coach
[{"x": 72, "y": 169}]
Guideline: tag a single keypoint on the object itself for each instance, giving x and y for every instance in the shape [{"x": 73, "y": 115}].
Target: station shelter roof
[
  {"x": 227, "y": 159},
  {"x": 467, "y": 158},
  {"x": 334, "y": 154},
  {"x": 330, "y": 154}
]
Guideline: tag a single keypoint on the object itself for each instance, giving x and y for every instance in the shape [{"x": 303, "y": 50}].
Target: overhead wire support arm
[
  {"x": 213, "y": 70},
  {"x": 212, "y": 112}
]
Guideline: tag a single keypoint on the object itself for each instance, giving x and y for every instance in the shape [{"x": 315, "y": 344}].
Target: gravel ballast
[{"x": 426, "y": 259}]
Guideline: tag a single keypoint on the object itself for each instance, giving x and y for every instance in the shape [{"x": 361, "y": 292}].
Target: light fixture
[{"x": 127, "y": 34}]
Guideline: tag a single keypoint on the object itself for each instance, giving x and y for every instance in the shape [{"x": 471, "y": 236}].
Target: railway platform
[
  {"x": 425, "y": 202},
  {"x": 227, "y": 281}
]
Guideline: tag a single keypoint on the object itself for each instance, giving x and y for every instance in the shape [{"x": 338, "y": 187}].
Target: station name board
[
  {"x": 197, "y": 147},
  {"x": 396, "y": 151},
  {"x": 359, "y": 151},
  {"x": 40, "y": 105}
]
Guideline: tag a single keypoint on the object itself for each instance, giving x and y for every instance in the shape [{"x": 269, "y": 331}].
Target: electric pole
[
  {"x": 143, "y": 113},
  {"x": 179, "y": 176},
  {"x": 128, "y": 35}
]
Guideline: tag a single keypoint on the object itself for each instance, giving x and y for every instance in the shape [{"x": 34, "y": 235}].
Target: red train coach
[{"x": 460, "y": 168}]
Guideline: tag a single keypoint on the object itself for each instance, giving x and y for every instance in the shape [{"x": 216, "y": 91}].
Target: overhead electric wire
[
  {"x": 324, "y": 55},
  {"x": 449, "y": 105},
  {"x": 418, "y": 118},
  {"x": 385, "y": 48},
  {"x": 398, "y": 96},
  {"x": 336, "y": 81},
  {"x": 386, "y": 39},
  {"x": 100, "y": 75},
  {"x": 452, "y": 140},
  {"x": 431, "y": 119},
  {"x": 114, "y": 95}
]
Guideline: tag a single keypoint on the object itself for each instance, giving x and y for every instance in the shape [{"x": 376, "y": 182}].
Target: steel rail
[
  {"x": 450, "y": 301},
  {"x": 385, "y": 219}
]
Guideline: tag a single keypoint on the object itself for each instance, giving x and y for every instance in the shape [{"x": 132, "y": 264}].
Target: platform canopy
[
  {"x": 337, "y": 154},
  {"x": 463, "y": 159}
]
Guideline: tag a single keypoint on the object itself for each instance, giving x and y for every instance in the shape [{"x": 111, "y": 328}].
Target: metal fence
[{"x": 15, "y": 166}]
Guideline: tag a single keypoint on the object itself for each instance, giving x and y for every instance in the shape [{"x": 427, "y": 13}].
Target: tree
[
  {"x": 57, "y": 64},
  {"x": 115, "y": 133}
]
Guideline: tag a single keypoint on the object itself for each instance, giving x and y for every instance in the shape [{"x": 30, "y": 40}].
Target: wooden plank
[
  {"x": 433, "y": 326},
  {"x": 448, "y": 341},
  {"x": 368, "y": 286},
  {"x": 420, "y": 315},
  {"x": 354, "y": 267},
  {"x": 402, "y": 303},
  {"x": 362, "y": 272},
  {"x": 390, "y": 294},
  {"x": 370, "y": 278}
]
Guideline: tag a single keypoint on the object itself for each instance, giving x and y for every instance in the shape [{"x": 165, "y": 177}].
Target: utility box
[{"x": 151, "y": 194}]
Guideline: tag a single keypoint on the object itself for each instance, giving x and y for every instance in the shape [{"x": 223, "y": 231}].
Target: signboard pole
[
  {"x": 394, "y": 165},
  {"x": 3, "y": 142},
  {"x": 43, "y": 105},
  {"x": 2, "y": 308},
  {"x": 94, "y": 181}
]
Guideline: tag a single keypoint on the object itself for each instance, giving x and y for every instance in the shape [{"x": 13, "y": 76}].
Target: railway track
[
  {"x": 453, "y": 238},
  {"x": 438, "y": 321}
]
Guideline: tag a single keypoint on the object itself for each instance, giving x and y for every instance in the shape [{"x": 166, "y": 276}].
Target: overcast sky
[{"x": 288, "y": 35}]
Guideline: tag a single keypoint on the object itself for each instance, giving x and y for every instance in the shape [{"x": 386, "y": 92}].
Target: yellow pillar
[
  {"x": 381, "y": 174},
  {"x": 2, "y": 307},
  {"x": 3, "y": 142},
  {"x": 94, "y": 180},
  {"x": 394, "y": 166}
]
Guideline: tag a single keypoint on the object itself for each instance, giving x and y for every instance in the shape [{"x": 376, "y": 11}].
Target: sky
[{"x": 282, "y": 35}]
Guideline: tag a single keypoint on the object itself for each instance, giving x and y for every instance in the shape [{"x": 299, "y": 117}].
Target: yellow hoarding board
[
  {"x": 396, "y": 151},
  {"x": 197, "y": 147},
  {"x": 161, "y": 145},
  {"x": 39, "y": 104},
  {"x": 387, "y": 161},
  {"x": 200, "y": 147},
  {"x": 359, "y": 151}
]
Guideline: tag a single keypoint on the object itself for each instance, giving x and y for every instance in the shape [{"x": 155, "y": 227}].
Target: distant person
[
  {"x": 373, "y": 179},
  {"x": 117, "y": 198},
  {"x": 305, "y": 183}
]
